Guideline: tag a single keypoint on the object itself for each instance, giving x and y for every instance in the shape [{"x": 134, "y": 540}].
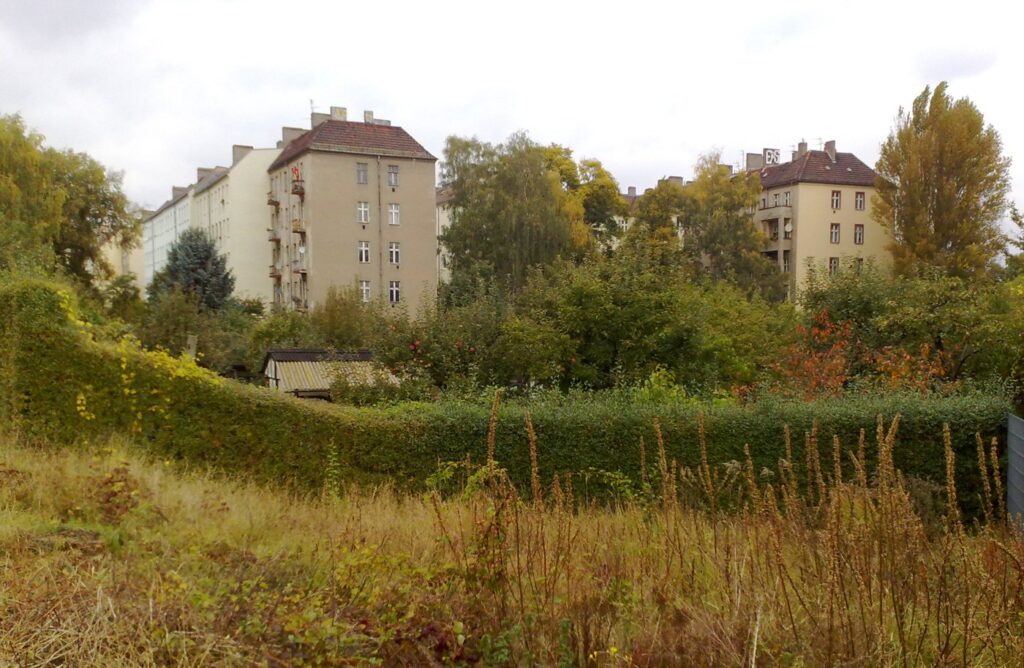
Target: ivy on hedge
[{"x": 63, "y": 384}]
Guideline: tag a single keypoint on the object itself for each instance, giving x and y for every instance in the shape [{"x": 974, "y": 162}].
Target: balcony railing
[
  {"x": 274, "y": 235},
  {"x": 272, "y": 200},
  {"x": 299, "y": 188},
  {"x": 298, "y": 226},
  {"x": 274, "y": 271},
  {"x": 299, "y": 266}
]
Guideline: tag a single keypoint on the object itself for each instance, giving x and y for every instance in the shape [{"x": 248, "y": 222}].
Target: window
[
  {"x": 392, "y": 175},
  {"x": 393, "y": 218},
  {"x": 833, "y": 235},
  {"x": 785, "y": 261},
  {"x": 364, "y": 291},
  {"x": 858, "y": 234},
  {"x": 394, "y": 291},
  {"x": 394, "y": 252},
  {"x": 833, "y": 265},
  {"x": 858, "y": 201},
  {"x": 775, "y": 199},
  {"x": 860, "y": 265},
  {"x": 787, "y": 228},
  {"x": 364, "y": 252},
  {"x": 764, "y": 202},
  {"x": 362, "y": 173},
  {"x": 774, "y": 230},
  {"x": 837, "y": 199},
  {"x": 363, "y": 212},
  {"x": 785, "y": 198}
]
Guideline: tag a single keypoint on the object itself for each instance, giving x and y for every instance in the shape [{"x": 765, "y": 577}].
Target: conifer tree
[{"x": 195, "y": 268}]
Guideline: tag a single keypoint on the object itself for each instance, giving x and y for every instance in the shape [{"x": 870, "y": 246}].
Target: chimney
[
  {"x": 631, "y": 191},
  {"x": 754, "y": 161},
  {"x": 288, "y": 135},
  {"x": 238, "y": 152},
  {"x": 368, "y": 116},
  {"x": 202, "y": 173},
  {"x": 801, "y": 149},
  {"x": 316, "y": 118},
  {"x": 830, "y": 148},
  {"x": 339, "y": 114},
  {"x": 178, "y": 191},
  {"x": 675, "y": 179}
]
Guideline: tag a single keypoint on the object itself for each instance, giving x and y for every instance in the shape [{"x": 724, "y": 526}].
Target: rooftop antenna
[{"x": 821, "y": 143}]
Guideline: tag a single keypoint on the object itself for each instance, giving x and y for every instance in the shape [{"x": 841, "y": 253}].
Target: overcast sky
[{"x": 156, "y": 88}]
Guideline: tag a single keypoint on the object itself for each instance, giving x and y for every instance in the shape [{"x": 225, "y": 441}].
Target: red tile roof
[
  {"x": 817, "y": 167},
  {"x": 352, "y": 137}
]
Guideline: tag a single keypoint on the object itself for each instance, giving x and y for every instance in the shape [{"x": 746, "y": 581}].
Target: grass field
[{"x": 109, "y": 558}]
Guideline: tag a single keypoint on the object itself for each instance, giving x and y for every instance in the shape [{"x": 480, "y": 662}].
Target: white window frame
[
  {"x": 833, "y": 266},
  {"x": 394, "y": 291},
  {"x": 362, "y": 173},
  {"x": 392, "y": 176},
  {"x": 394, "y": 214},
  {"x": 785, "y": 198},
  {"x": 364, "y": 252},
  {"x": 859, "y": 201},
  {"x": 775, "y": 199},
  {"x": 858, "y": 234},
  {"x": 394, "y": 252},
  {"x": 363, "y": 212},
  {"x": 364, "y": 291},
  {"x": 834, "y": 233},
  {"x": 837, "y": 199}
]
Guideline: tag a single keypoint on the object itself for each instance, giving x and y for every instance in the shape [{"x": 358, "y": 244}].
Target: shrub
[{"x": 60, "y": 382}]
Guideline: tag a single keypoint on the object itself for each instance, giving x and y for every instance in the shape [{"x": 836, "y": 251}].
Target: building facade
[
  {"x": 162, "y": 228},
  {"x": 816, "y": 212},
  {"x": 352, "y": 205},
  {"x": 231, "y": 207}
]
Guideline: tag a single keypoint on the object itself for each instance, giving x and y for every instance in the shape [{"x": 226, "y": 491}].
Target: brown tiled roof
[
  {"x": 211, "y": 179},
  {"x": 352, "y": 137},
  {"x": 817, "y": 167},
  {"x": 166, "y": 205},
  {"x": 443, "y": 195}
]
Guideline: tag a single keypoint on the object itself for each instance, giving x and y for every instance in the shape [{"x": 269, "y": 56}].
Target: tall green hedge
[{"x": 62, "y": 383}]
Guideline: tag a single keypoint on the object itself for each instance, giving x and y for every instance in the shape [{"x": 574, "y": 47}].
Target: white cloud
[{"x": 159, "y": 88}]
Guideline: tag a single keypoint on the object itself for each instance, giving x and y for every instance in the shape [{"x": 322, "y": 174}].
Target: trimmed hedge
[{"x": 61, "y": 384}]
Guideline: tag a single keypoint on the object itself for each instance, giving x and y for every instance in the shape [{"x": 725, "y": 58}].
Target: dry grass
[{"x": 109, "y": 559}]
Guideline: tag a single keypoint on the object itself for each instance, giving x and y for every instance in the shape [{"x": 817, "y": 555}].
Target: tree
[
  {"x": 603, "y": 205},
  {"x": 513, "y": 207},
  {"x": 659, "y": 207},
  {"x": 95, "y": 212},
  {"x": 942, "y": 186},
  {"x": 30, "y": 205},
  {"x": 195, "y": 268},
  {"x": 719, "y": 230}
]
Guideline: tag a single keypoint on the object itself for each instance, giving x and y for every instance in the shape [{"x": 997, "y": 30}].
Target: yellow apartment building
[
  {"x": 352, "y": 205},
  {"x": 816, "y": 211}
]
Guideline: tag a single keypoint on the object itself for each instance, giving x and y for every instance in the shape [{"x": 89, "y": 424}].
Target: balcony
[
  {"x": 274, "y": 235},
  {"x": 298, "y": 226},
  {"x": 299, "y": 303},
  {"x": 272, "y": 200},
  {"x": 299, "y": 188},
  {"x": 274, "y": 271},
  {"x": 299, "y": 266}
]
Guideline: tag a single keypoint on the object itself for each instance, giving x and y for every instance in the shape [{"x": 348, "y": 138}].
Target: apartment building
[
  {"x": 352, "y": 205},
  {"x": 816, "y": 211},
  {"x": 162, "y": 228},
  {"x": 230, "y": 206}
]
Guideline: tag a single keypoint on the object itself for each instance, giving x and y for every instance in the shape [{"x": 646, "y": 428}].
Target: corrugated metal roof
[{"x": 306, "y": 376}]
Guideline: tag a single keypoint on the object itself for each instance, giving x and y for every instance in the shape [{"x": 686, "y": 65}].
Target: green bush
[{"x": 64, "y": 384}]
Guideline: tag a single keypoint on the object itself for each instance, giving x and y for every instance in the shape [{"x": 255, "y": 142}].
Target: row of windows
[
  {"x": 363, "y": 174},
  {"x": 363, "y": 213},
  {"x": 394, "y": 252},
  {"x": 394, "y": 291},
  {"x": 834, "y": 233},
  {"x": 859, "y": 200}
]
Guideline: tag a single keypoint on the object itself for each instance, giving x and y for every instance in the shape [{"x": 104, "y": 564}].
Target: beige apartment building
[
  {"x": 816, "y": 212},
  {"x": 352, "y": 205},
  {"x": 230, "y": 206}
]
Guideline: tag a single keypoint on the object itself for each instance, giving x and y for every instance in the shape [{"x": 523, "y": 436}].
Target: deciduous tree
[{"x": 942, "y": 186}]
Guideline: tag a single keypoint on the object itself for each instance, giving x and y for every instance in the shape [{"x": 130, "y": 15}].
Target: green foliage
[
  {"x": 342, "y": 321},
  {"x": 280, "y": 329},
  {"x": 30, "y": 205},
  {"x": 660, "y": 207},
  {"x": 178, "y": 410},
  {"x": 95, "y": 213},
  {"x": 519, "y": 205},
  {"x": 195, "y": 268},
  {"x": 719, "y": 230},
  {"x": 942, "y": 187}
]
